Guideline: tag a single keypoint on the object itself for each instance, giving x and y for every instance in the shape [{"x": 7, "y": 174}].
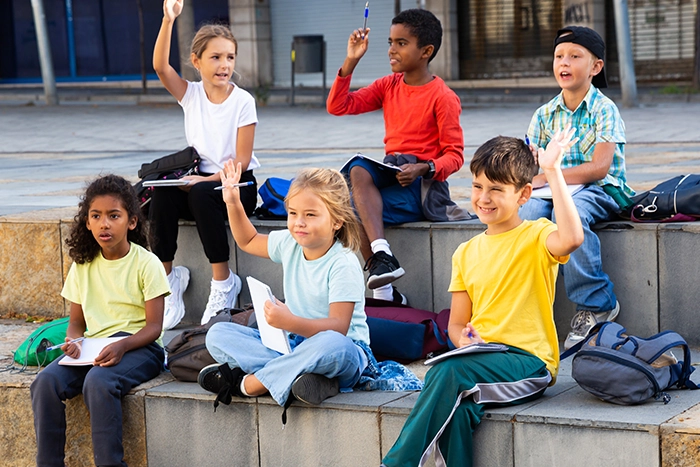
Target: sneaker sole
[
  {"x": 374, "y": 282},
  {"x": 313, "y": 389}
]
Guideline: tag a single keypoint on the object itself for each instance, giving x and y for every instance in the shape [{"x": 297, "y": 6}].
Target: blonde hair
[
  {"x": 207, "y": 33},
  {"x": 331, "y": 187}
]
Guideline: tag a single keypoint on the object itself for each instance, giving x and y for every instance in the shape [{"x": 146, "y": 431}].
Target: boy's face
[
  {"x": 496, "y": 204},
  {"x": 575, "y": 66},
  {"x": 404, "y": 53}
]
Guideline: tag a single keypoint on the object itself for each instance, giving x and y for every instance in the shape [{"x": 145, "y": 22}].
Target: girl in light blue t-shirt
[{"x": 324, "y": 298}]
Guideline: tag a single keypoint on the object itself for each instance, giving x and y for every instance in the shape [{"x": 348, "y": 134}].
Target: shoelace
[
  {"x": 369, "y": 264},
  {"x": 581, "y": 320}
]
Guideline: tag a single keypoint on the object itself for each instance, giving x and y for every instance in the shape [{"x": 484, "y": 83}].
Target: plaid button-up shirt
[{"x": 597, "y": 120}]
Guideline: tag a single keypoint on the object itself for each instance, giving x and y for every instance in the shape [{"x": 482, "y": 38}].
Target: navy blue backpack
[{"x": 273, "y": 192}]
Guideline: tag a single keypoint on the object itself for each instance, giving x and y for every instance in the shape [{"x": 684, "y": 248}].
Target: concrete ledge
[
  {"x": 653, "y": 267},
  {"x": 169, "y": 423}
]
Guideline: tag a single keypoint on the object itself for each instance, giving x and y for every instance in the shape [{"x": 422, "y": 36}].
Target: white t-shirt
[
  {"x": 212, "y": 129},
  {"x": 311, "y": 286}
]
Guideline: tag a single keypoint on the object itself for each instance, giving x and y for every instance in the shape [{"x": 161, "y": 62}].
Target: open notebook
[
  {"x": 90, "y": 349},
  {"x": 472, "y": 348},
  {"x": 546, "y": 192}
]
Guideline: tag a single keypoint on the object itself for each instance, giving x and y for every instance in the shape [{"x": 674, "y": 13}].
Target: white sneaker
[
  {"x": 178, "y": 279},
  {"x": 584, "y": 320},
  {"x": 220, "y": 299}
]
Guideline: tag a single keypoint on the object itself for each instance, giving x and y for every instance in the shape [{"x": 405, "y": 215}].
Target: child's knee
[{"x": 359, "y": 176}]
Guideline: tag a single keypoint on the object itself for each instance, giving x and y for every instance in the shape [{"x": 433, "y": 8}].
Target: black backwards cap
[{"x": 589, "y": 39}]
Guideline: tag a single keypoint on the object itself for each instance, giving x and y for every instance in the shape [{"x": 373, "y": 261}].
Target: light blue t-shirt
[{"x": 311, "y": 286}]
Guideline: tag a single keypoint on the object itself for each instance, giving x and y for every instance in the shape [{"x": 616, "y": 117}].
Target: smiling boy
[
  {"x": 423, "y": 137},
  {"x": 502, "y": 290},
  {"x": 596, "y": 161}
]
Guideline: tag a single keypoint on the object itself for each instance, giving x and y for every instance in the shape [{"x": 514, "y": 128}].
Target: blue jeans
[
  {"x": 586, "y": 283},
  {"x": 327, "y": 353},
  {"x": 102, "y": 389}
]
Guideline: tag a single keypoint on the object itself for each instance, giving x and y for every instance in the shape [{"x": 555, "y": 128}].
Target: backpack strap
[{"x": 651, "y": 349}]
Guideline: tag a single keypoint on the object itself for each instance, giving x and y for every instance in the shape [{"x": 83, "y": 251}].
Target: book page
[
  {"x": 273, "y": 338},
  {"x": 380, "y": 163},
  {"x": 90, "y": 349},
  {"x": 473, "y": 348},
  {"x": 546, "y": 191}
]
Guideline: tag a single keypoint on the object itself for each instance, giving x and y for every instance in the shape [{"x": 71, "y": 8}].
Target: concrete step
[{"x": 170, "y": 423}]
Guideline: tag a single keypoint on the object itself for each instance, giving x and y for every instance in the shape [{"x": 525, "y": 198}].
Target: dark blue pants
[{"x": 102, "y": 389}]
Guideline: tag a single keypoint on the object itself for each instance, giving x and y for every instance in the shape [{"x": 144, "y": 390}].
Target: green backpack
[{"x": 32, "y": 352}]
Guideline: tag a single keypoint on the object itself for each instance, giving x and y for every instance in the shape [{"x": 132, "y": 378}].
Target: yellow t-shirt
[
  {"x": 510, "y": 279},
  {"x": 113, "y": 294}
]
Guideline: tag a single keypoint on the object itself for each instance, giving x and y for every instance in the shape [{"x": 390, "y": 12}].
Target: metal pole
[
  {"x": 628, "y": 80},
  {"x": 42, "y": 39}
]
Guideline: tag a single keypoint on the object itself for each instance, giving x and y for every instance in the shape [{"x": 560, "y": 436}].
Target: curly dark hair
[
  {"x": 424, "y": 26},
  {"x": 82, "y": 246},
  {"x": 505, "y": 160}
]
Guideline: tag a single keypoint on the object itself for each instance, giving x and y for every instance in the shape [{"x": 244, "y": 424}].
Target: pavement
[{"x": 48, "y": 154}]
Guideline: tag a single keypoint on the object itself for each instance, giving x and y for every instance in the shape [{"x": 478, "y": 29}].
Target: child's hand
[
  {"x": 111, "y": 354},
  {"x": 172, "y": 9},
  {"x": 193, "y": 179},
  {"x": 230, "y": 176},
  {"x": 469, "y": 336},
  {"x": 357, "y": 46},
  {"x": 561, "y": 142},
  {"x": 408, "y": 174},
  {"x": 277, "y": 314},
  {"x": 72, "y": 349}
]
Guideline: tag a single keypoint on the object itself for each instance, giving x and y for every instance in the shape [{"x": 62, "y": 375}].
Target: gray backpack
[{"x": 629, "y": 370}]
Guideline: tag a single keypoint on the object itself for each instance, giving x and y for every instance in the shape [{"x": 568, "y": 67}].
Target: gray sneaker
[{"x": 584, "y": 320}]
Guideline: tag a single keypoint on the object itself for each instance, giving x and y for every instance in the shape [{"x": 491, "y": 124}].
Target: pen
[
  {"x": 72, "y": 341},
  {"x": 364, "y": 25},
  {"x": 527, "y": 141},
  {"x": 235, "y": 185}
]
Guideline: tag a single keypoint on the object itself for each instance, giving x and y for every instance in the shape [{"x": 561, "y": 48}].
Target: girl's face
[
  {"x": 110, "y": 223},
  {"x": 217, "y": 62},
  {"x": 311, "y": 224}
]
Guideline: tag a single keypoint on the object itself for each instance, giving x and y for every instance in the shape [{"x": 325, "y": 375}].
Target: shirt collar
[{"x": 587, "y": 99}]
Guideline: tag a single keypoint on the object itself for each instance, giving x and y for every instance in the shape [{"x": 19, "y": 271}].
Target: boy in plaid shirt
[{"x": 596, "y": 161}]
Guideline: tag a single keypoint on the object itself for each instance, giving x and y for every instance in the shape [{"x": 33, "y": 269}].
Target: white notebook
[
  {"x": 546, "y": 191},
  {"x": 272, "y": 337},
  {"x": 90, "y": 349},
  {"x": 380, "y": 163},
  {"x": 173, "y": 182},
  {"x": 472, "y": 348}
]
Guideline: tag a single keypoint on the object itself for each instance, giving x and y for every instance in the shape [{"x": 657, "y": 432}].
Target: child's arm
[
  {"x": 244, "y": 233},
  {"x": 76, "y": 328},
  {"x": 357, "y": 47},
  {"x": 113, "y": 353},
  {"x": 339, "y": 317},
  {"x": 588, "y": 172},
  {"x": 569, "y": 233},
  {"x": 161, "y": 51},
  {"x": 460, "y": 328}
]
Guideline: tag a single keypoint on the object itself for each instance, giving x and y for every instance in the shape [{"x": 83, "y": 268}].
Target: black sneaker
[
  {"x": 383, "y": 269},
  {"x": 313, "y": 389},
  {"x": 222, "y": 381}
]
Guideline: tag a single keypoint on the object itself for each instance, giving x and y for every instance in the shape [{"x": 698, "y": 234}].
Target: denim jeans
[
  {"x": 102, "y": 389},
  {"x": 586, "y": 283},
  {"x": 327, "y": 353}
]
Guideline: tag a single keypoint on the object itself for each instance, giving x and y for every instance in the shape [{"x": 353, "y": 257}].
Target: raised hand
[
  {"x": 172, "y": 9},
  {"x": 230, "y": 176},
  {"x": 357, "y": 46},
  {"x": 561, "y": 142}
]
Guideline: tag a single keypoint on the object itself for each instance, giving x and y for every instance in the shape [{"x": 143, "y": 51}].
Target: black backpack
[
  {"x": 675, "y": 200},
  {"x": 629, "y": 370}
]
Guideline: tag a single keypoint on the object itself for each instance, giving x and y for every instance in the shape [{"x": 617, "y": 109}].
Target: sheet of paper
[
  {"x": 90, "y": 349},
  {"x": 362, "y": 156},
  {"x": 546, "y": 191},
  {"x": 473, "y": 348},
  {"x": 173, "y": 182},
  {"x": 272, "y": 337}
]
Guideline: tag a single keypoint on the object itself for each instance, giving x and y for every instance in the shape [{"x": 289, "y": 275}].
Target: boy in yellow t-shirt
[{"x": 502, "y": 286}]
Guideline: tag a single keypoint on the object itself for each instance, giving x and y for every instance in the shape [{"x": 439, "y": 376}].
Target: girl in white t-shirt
[{"x": 220, "y": 120}]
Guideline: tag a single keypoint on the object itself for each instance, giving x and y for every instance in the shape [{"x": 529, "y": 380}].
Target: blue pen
[
  {"x": 527, "y": 140},
  {"x": 364, "y": 26},
  {"x": 74, "y": 341},
  {"x": 235, "y": 185}
]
